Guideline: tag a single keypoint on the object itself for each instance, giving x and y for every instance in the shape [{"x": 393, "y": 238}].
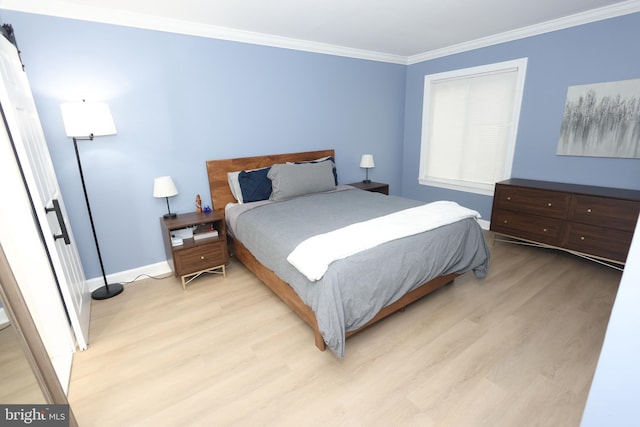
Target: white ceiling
[{"x": 389, "y": 29}]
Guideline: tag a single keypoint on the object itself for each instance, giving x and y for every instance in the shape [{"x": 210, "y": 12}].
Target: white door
[
  {"x": 20, "y": 238},
  {"x": 31, "y": 147}
]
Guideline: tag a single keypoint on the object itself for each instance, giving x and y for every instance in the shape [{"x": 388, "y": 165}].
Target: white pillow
[{"x": 234, "y": 185}]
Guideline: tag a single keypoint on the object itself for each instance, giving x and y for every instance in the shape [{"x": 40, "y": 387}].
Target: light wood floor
[
  {"x": 516, "y": 349},
  {"x": 18, "y": 384}
]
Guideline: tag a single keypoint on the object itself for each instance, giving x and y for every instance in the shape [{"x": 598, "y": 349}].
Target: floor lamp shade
[
  {"x": 165, "y": 187},
  {"x": 83, "y": 121}
]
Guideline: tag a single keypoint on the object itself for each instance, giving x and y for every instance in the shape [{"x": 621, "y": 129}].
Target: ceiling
[{"x": 399, "y": 29}]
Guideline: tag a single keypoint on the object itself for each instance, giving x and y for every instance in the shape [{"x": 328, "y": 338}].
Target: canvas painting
[{"x": 602, "y": 120}]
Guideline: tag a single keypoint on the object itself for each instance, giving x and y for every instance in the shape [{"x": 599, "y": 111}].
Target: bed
[{"x": 355, "y": 291}]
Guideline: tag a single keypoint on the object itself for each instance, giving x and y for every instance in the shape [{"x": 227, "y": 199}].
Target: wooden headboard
[{"x": 217, "y": 171}]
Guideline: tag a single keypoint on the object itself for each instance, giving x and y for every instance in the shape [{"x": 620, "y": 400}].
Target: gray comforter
[{"x": 354, "y": 289}]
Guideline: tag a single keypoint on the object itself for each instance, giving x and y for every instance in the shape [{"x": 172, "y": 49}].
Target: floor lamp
[{"x": 83, "y": 121}]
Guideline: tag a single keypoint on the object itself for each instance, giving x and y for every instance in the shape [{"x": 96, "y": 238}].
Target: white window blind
[{"x": 469, "y": 126}]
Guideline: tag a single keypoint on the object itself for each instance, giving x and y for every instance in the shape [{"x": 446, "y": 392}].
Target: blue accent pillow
[
  {"x": 255, "y": 185},
  {"x": 326, "y": 159}
]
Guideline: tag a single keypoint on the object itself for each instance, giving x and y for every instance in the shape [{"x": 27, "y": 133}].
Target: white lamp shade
[
  {"x": 83, "y": 119},
  {"x": 367, "y": 161},
  {"x": 164, "y": 187}
]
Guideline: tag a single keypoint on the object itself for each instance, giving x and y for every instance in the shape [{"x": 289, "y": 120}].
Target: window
[{"x": 469, "y": 126}]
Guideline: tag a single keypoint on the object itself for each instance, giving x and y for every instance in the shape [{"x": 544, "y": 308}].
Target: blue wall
[
  {"x": 598, "y": 52},
  {"x": 178, "y": 101}
]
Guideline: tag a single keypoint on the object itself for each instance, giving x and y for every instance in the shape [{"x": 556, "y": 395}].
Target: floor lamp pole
[{"x": 108, "y": 290}]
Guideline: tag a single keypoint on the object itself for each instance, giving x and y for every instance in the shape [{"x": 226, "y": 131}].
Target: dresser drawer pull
[
  {"x": 549, "y": 204},
  {"x": 589, "y": 210},
  {"x": 202, "y": 257},
  {"x": 506, "y": 222},
  {"x": 508, "y": 197},
  {"x": 544, "y": 229},
  {"x": 581, "y": 237}
]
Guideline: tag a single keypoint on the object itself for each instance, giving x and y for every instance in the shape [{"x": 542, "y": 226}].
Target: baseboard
[{"x": 159, "y": 269}]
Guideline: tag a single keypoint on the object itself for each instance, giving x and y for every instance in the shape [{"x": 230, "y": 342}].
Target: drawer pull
[
  {"x": 202, "y": 257},
  {"x": 544, "y": 229},
  {"x": 506, "y": 222},
  {"x": 508, "y": 197},
  {"x": 549, "y": 204},
  {"x": 581, "y": 237},
  {"x": 589, "y": 210}
]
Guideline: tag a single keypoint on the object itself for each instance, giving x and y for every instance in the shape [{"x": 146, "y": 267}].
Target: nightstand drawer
[
  {"x": 540, "y": 202},
  {"x": 200, "y": 257}
]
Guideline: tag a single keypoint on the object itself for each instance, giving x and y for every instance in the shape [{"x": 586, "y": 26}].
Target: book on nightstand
[
  {"x": 178, "y": 236},
  {"x": 204, "y": 231},
  {"x": 205, "y": 235}
]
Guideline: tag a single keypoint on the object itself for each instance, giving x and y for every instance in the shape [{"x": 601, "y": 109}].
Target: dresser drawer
[
  {"x": 200, "y": 257},
  {"x": 598, "y": 241},
  {"x": 604, "y": 212},
  {"x": 551, "y": 204},
  {"x": 530, "y": 227}
]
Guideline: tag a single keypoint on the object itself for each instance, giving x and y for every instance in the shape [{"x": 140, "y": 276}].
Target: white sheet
[{"x": 313, "y": 256}]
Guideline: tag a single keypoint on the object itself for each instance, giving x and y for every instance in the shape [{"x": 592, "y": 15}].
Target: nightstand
[
  {"x": 376, "y": 187},
  {"x": 191, "y": 257}
]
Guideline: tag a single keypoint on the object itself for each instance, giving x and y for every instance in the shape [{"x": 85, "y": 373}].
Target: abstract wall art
[{"x": 602, "y": 120}]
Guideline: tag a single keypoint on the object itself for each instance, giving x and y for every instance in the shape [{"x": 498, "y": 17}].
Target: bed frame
[{"x": 221, "y": 195}]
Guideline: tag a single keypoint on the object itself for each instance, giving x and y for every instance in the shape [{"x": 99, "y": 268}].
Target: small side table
[
  {"x": 376, "y": 187},
  {"x": 195, "y": 256}
]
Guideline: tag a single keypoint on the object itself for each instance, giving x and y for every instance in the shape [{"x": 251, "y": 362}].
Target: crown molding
[
  {"x": 62, "y": 9},
  {"x": 619, "y": 9}
]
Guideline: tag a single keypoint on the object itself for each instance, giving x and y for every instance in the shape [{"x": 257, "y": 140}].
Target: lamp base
[
  {"x": 366, "y": 181},
  {"x": 169, "y": 216},
  {"x": 107, "y": 292}
]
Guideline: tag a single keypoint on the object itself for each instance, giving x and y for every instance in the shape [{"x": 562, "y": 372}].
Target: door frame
[{"x": 29, "y": 338}]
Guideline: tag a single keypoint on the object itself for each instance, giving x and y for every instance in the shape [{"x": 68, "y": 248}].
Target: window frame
[{"x": 518, "y": 65}]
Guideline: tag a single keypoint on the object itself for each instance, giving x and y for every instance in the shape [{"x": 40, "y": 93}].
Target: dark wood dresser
[{"x": 596, "y": 222}]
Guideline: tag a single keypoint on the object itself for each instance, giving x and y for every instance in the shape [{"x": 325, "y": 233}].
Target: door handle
[{"x": 63, "y": 228}]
